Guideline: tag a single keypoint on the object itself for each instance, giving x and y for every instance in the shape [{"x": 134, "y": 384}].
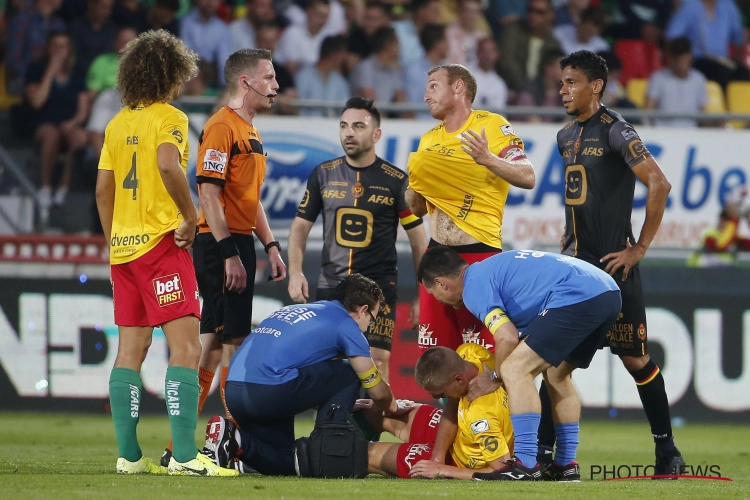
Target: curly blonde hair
[{"x": 151, "y": 66}]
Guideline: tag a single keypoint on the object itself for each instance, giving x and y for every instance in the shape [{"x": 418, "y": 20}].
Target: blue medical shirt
[
  {"x": 523, "y": 283},
  {"x": 294, "y": 337}
]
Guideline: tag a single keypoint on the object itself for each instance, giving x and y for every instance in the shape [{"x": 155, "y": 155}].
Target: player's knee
[
  {"x": 635, "y": 363},
  {"x": 511, "y": 371}
]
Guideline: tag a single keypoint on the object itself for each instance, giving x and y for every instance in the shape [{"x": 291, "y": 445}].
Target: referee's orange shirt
[{"x": 230, "y": 155}]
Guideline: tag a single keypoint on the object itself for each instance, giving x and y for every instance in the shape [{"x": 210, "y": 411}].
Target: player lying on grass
[{"x": 479, "y": 436}]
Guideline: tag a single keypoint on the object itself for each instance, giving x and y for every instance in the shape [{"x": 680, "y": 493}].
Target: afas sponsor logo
[
  {"x": 168, "y": 290},
  {"x": 129, "y": 240}
]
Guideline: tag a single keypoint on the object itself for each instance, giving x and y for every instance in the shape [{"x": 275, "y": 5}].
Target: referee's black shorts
[{"x": 227, "y": 314}]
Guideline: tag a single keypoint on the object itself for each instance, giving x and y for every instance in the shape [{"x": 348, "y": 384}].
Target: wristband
[
  {"x": 493, "y": 376},
  {"x": 271, "y": 244},
  {"x": 227, "y": 248}
]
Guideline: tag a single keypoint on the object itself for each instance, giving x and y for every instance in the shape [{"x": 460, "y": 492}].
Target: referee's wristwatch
[
  {"x": 494, "y": 376},
  {"x": 271, "y": 244}
]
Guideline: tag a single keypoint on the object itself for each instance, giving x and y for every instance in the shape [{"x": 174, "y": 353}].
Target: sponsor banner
[
  {"x": 58, "y": 342},
  {"x": 703, "y": 166}
]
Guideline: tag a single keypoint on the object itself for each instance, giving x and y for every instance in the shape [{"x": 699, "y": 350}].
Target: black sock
[
  {"x": 653, "y": 394},
  {"x": 546, "y": 436}
]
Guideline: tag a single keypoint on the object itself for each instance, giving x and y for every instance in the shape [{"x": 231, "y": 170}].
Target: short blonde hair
[{"x": 459, "y": 72}]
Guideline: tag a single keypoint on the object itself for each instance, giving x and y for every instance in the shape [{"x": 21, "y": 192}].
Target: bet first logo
[{"x": 168, "y": 290}]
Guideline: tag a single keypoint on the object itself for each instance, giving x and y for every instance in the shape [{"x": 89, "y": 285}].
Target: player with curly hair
[{"x": 149, "y": 219}]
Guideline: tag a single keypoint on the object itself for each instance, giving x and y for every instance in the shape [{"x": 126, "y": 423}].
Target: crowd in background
[{"x": 61, "y": 55}]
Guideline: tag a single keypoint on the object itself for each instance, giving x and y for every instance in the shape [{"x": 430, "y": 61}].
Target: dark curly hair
[
  {"x": 151, "y": 66},
  {"x": 355, "y": 290},
  {"x": 592, "y": 65}
]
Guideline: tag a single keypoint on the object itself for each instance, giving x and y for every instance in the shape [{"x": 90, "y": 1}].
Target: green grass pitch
[{"x": 61, "y": 456}]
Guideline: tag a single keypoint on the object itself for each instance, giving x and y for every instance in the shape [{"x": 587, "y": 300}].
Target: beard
[{"x": 357, "y": 151}]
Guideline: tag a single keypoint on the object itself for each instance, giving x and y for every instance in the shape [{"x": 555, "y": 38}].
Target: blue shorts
[{"x": 573, "y": 333}]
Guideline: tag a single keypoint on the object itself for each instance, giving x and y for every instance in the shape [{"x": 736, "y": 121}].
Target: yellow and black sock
[{"x": 653, "y": 395}]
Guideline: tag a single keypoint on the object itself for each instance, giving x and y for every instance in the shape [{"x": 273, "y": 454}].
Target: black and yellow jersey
[
  {"x": 361, "y": 208},
  {"x": 598, "y": 155}
]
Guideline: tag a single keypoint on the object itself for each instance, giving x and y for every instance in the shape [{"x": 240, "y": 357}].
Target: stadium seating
[
  {"x": 738, "y": 100},
  {"x": 6, "y": 100},
  {"x": 636, "y": 91},
  {"x": 639, "y": 59},
  {"x": 716, "y": 102}
]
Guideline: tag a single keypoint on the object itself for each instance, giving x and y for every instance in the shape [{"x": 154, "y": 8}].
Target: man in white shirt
[
  {"x": 492, "y": 92},
  {"x": 585, "y": 35},
  {"x": 678, "y": 87},
  {"x": 300, "y": 45}
]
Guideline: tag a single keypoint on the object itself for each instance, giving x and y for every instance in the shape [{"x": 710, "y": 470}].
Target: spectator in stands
[
  {"x": 423, "y": 12},
  {"x": 94, "y": 34},
  {"x": 128, "y": 13},
  {"x": 324, "y": 79},
  {"x": 102, "y": 73},
  {"x": 464, "y": 33},
  {"x": 645, "y": 19},
  {"x": 615, "y": 95},
  {"x": 571, "y": 12},
  {"x": 205, "y": 33},
  {"x": 501, "y": 13},
  {"x": 242, "y": 31},
  {"x": 300, "y": 45},
  {"x": 544, "y": 90},
  {"x": 678, "y": 87},
  {"x": 586, "y": 35},
  {"x": 375, "y": 16},
  {"x": 523, "y": 44},
  {"x": 201, "y": 85},
  {"x": 267, "y": 37},
  {"x": 435, "y": 47},
  {"x": 28, "y": 31},
  {"x": 335, "y": 23},
  {"x": 56, "y": 90},
  {"x": 100, "y": 81},
  {"x": 712, "y": 26},
  {"x": 379, "y": 77},
  {"x": 161, "y": 15},
  {"x": 492, "y": 92}
]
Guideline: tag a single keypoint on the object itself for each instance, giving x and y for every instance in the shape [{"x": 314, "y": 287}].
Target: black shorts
[
  {"x": 227, "y": 314},
  {"x": 573, "y": 333},
  {"x": 629, "y": 334},
  {"x": 380, "y": 334}
]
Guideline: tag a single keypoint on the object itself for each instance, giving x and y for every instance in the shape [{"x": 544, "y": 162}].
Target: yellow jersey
[
  {"x": 485, "y": 432},
  {"x": 449, "y": 179},
  {"x": 144, "y": 211}
]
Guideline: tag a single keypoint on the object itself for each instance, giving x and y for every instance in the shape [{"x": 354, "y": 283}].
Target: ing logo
[{"x": 353, "y": 227}]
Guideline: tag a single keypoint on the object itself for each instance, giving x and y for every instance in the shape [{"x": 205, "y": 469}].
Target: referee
[{"x": 362, "y": 200}]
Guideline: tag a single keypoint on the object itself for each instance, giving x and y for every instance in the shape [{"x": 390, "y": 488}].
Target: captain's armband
[
  {"x": 495, "y": 319},
  {"x": 370, "y": 378}
]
